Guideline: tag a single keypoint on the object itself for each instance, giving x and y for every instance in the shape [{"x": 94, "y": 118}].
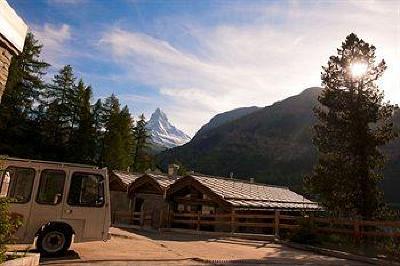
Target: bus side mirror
[{"x": 5, "y": 183}]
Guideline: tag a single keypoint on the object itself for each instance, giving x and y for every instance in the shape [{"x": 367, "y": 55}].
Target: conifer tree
[
  {"x": 82, "y": 148},
  {"x": 19, "y": 130},
  {"x": 60, "y": 105},
  {"x": 99, "y": 126},
  {"x": 141, "y": 159},
  {"x": 354, "y": 121},
  {"x": 117, "y": 144}
]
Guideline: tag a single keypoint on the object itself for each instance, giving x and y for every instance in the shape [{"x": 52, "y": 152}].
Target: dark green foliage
[
  {"x": 60, "y": 118},
  {"x": 8, "y": 226},
  {"x": 18, "y": 133},
  {"x": 83, "y": 138},
  {"x": 353, "y": 122},
  {"x": 56, "y": 121},
  {"x": 306, "y": 232},
  {"x": 118, "y": 138},
  {"x": 182, "y": 171},
  {"x": 142, "y": 158}
]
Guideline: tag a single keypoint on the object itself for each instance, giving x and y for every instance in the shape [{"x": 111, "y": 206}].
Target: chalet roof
[
  {"x": 160, "y": 183},
  {"x": 164, "y": 180},
  {"x": 120, "y": 180},
  {"x": 127, "y": 178},
  {"x": 236, "y": 192},
  {"x": 244, "y": 194}
]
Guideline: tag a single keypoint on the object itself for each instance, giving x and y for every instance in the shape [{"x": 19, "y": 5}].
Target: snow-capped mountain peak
[{"x": 163, "y": 132}]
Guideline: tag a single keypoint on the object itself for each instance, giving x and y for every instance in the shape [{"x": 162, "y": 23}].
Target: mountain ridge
[
  {"x": 225, "y": 117},
  {"x": 273, "y": 145}
]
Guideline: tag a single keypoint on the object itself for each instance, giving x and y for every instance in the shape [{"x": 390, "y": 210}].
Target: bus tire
[{"x": 53, "y": 241}]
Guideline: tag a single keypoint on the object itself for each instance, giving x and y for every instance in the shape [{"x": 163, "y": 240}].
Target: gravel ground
[{"x": 138, "y": 248}]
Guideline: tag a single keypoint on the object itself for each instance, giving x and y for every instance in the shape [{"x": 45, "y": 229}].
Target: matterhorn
[{"x": 163, "y": 133}]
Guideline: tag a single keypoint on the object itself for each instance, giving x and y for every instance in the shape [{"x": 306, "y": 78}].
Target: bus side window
[
  {"x": 86, "y": 190},
  {"x": 20, "y": 182},
  {"x": 51, "y": 187}
]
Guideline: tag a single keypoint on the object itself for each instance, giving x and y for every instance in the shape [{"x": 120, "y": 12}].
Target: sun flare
[{"x": 358, "y": 69}]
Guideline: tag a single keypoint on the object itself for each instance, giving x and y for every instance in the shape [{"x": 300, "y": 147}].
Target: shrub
[
  {"x": 306, "y": 233},
  {"x": 9, "y": 222}
]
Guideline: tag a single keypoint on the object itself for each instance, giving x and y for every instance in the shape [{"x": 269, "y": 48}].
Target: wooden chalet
[
  {"x": 210, "y": 203},
  {"x": 119, "y": 182},
  {"x": 216, "y": 199},
  {"x": 148, "y": 196}
]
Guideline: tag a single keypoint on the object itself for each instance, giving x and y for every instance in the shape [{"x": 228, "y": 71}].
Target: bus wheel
[{"x": 53, "y": 241}]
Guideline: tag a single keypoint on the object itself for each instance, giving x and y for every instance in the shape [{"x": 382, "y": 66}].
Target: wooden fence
[
  {"x": 232, "y": 222},
  {"x": 132, "y": 218},
  {"x": 277, "y": 221}
]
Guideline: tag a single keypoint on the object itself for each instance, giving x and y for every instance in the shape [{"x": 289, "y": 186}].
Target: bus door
[
  {"x": 85, "y": 207},
  {"x": 17, "y": 184},
  {"x": 47, "y": 202}
]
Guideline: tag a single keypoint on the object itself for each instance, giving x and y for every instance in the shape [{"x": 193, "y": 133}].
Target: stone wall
[{"x": 6, "y": 54}]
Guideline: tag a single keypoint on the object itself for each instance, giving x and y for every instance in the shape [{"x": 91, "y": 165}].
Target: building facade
[
  {"x": 209, "y": 203},
  {"x": 12, "y": 38}
]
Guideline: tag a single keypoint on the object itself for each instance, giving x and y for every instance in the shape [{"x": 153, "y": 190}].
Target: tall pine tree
[
  {"x": 354, "y": 121},
  {"x": 141, "y": 158},
  {"x": 82, "y": 146},
  {"x": 19, "y": 130},
  {"x": 118, "y": 139},
  {"x": 60, "y": 118},
  {"x": 99, "y": 120}
]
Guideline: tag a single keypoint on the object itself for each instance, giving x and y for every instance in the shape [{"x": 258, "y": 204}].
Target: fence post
[
  {"x": 142, "y": 217},
  {"x": 276, "y": 223},
  {"x": 160, "y": 222},
  {"x": 131, "y": 216},
  {"x": 233, "y": 221},
  {"x": 198, "y": 221},
  {"x": 357, "y": 234}
]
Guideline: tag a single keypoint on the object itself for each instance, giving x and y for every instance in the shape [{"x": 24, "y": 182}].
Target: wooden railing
[
  {"x": 234, "y": 222},
  {"x": 357, "y": 228},
  {"x": 277, "y": 221},
  {"x": 128, "y": 217}
]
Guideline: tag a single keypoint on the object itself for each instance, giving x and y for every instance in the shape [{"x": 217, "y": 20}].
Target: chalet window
[
  {"x": 194, "y": 208},
  {"x": 205, "y": 209},
  {"x": 51, "y": 187},
  {"x": 181, "y": 207}
]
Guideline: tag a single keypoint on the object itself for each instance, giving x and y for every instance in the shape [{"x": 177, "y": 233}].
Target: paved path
[{"x": 140, "y": 248}]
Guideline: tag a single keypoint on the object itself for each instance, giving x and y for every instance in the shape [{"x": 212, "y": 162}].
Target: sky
[{"x": 195, "y": 59}]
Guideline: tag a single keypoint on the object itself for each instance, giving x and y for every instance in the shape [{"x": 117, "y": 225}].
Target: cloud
[
  {"x": 54, "y": 39},
  {"x": 252, "y": 63},
  {"x": 134, "y": 98}
]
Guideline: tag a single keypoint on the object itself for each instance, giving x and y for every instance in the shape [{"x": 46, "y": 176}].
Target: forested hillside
[
  {"x": 226, "y": 117},
  {"x": 273, "y": 145},
  {"x": 59, "y": 119}
]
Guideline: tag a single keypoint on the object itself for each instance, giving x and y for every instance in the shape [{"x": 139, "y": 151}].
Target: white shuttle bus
[{"x": 56, "y": 201}]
